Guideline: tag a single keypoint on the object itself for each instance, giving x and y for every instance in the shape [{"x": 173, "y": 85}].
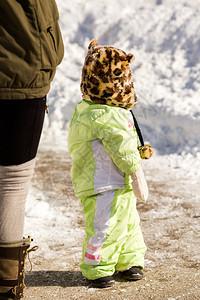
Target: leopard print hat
[{"x": 107, "y": 77}]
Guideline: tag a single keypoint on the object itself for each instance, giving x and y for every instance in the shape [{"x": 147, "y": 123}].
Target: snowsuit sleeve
[{"x": 119, "y": 137}]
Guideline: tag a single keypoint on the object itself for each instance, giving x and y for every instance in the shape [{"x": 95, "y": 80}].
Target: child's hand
[{"x": 139, "y": 184}]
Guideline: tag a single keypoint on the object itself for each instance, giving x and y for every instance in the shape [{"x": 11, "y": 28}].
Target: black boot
[
  {"x": 132, "y": 274},
  {"x": 102, "y": 282}
]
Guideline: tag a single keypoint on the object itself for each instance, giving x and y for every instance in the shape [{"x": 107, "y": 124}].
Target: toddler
[{"x": 106, "y": 171}]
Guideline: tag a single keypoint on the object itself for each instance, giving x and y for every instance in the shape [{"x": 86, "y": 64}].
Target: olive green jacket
[{"x": 31, "y": 47}]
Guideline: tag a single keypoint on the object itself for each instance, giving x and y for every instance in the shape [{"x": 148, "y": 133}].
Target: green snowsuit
[{"x": 103, "y": 143}]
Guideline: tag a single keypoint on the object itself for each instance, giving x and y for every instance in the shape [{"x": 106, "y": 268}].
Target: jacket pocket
[{"x": 51, "y": 43}]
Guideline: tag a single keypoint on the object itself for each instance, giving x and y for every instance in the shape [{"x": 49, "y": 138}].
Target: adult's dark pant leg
[{"x": 21, "y": 124}]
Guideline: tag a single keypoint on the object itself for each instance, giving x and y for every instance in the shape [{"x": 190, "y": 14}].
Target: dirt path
[{"x": 171, "y": 226}]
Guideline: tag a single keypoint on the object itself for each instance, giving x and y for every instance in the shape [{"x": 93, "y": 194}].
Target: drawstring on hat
[
  {"x": 145, "y": 150},
  {"x": 138, "y": 130}
]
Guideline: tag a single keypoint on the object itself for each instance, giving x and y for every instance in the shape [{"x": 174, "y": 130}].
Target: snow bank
[{"x": 163, "y": 35}]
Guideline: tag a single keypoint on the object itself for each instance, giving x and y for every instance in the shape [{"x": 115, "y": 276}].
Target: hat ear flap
[
  {"x": 93, "y": 43},
  {"x": 130, "y": 57}
]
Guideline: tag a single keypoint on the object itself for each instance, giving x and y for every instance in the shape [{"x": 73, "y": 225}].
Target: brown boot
[{"x": 12, "y": 260}]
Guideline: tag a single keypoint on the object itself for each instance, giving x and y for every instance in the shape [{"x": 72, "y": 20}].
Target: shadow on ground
[
  {"x": 55, "y": 278},
  {"x": 59, "y": 278}
]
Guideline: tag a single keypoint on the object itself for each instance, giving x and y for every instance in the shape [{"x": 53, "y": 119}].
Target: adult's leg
[
  {"x": 14, "y": 185},
  {"x": 21, "y": 125}
]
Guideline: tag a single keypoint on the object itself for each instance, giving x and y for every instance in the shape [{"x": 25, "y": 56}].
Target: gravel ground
[{"x": 170, "y": 221}]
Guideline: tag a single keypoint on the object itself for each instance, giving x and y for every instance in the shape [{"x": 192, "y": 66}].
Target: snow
[{"x": 164, "y": 37}]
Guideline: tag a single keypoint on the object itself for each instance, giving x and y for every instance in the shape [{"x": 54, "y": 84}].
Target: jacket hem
[
  {"x": 21, "y": 94},
  {"x": 102, "y": 190}
]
